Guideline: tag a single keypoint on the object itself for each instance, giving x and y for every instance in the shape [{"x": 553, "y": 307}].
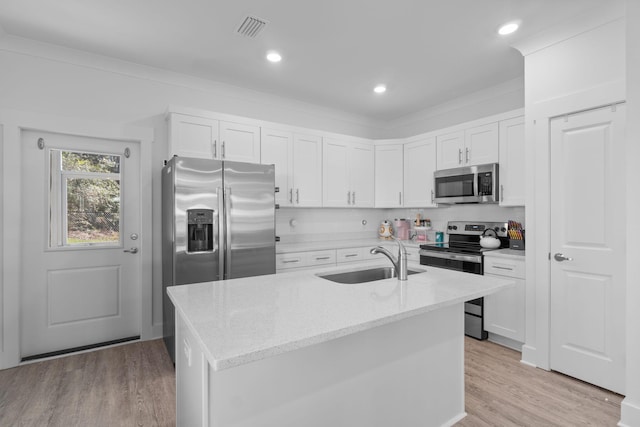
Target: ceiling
[{"x": 334, "y": 51}]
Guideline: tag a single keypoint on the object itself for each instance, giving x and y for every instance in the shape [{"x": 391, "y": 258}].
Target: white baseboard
[
  {"x": 529, "y": 356},
  {"x": 629, "y": 413},
  {"x": 506, "y": 342}
]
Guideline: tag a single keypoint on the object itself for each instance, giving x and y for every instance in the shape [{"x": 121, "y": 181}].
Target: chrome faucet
[{"x": 399, "y": 263}]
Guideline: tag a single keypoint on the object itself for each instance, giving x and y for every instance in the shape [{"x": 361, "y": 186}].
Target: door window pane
[
  {"x": 85, "y": 199},
  {"x": 93, "y": 211}
]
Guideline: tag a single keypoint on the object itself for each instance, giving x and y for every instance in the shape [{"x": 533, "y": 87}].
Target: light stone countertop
[{"x": 243, "y": 320}]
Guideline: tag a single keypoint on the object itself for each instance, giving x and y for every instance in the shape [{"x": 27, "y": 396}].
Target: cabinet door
[
  {"x": 504, "y": 311},
  {"x": 419, "y": 165},
  {"x": 512, "y": 162},
  {"x": 191, "y": 136},
  {"x": 307, "y": 170},
  {"x": 239, "y": 142},
  {"x": 450, "y": 150},
  {"x": 361, "y": 164},
  {"x": 388, "y": 176},
  {"x": 335, "y": 165},
  {"x": 481, "y": 145},
  {"x": 276, "y": 148}
]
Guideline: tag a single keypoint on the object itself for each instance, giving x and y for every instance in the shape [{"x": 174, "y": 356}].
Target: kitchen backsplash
[{"x": 295, "y": 225}]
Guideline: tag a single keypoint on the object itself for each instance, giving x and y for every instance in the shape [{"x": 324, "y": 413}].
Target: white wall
[
  {"x": 487, "y": 102},
  {"x": 58, "y": 82},
  {"x": 631, "y": 404}
]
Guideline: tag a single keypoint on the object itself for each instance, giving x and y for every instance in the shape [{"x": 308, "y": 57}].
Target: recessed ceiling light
[
  {"x": 380, "y": 89},
  {"x": 508, "y": 28},
  {"x": 273, "y": 56}
]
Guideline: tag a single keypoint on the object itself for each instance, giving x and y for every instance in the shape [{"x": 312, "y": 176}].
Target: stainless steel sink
[{"x": 362, "y": 276}]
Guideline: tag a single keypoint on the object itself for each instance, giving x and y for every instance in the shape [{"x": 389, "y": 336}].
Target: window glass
[{"x": 85, "y": 199}]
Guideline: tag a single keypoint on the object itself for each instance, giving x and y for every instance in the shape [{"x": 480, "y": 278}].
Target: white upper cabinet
[
  {"x": 512, "y": 162},
  {"x": 389, "y": 176},
  {"x": 239, "y": 142},
  {"x": 419, "y": 166},
  {"x": 450, "y": 150},
  {"x": 347, "y": 174},
  {"x": 473, "y": 146},
  {"x": 298, "y": 162},
  {"x": 307, "y": 170},
  {"x": 192, "y": 136},
  {"x": 277, "y": 149}
]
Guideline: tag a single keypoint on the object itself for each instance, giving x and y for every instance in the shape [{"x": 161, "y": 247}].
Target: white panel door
[
  {"x": 191, "y": 136},
  {"x": 239, "y": 142},
  {"x": 276, "y": 148},
  {"x": 481, "y": 145},
  {"x": 588, "y": 247},
  {"x": 81, "y": 224},
  {"x": 307, "y": 170},
  {"x": 389, "y": 175},
  {"x": 336, "y": 187},
  {"x": 450, "y": 150},
  {"x": 419, "y": 166},
  {"x": 361, "y": 172},
  {"x": 512, "y": 162}
]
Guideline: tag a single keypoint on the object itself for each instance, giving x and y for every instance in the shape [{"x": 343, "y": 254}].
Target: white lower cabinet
[{"x": 504, "y": 311}]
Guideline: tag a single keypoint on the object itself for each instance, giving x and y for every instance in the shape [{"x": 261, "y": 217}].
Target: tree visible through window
[{"x": 89, "y": 197}]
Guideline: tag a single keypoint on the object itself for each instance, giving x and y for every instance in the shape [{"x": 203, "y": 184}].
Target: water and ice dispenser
[{"x": 199, "y": 230}]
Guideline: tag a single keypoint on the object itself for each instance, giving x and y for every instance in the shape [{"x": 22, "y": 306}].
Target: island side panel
[
  {"x": 192, "y": 380},
  {"x": 408, "y": 373}
]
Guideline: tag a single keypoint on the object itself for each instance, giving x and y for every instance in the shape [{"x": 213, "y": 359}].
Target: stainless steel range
[{"x": 463, "y": 253}]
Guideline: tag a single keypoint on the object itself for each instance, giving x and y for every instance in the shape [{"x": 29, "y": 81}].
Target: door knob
[
  {"x": 559, "y": 257},
  {"x": 132, "y": 250}
]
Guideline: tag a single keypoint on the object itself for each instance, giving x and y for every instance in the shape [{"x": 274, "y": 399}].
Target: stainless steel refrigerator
[{"x": 218, "y": 222}]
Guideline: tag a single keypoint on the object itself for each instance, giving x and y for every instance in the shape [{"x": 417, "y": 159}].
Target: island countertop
[{"x": 243, "y": 320}]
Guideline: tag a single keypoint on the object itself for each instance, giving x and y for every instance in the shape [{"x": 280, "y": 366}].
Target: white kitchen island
[{"x": 295, "y": 349}]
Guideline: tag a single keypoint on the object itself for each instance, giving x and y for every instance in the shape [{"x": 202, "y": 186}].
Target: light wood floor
[
  {"x": 133, "y": 385},
  {"x": 128, "y": 385}
]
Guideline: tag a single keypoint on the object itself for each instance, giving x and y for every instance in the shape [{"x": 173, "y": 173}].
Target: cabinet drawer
[
  {"x": 292, "y": 260},
  {"x": 349, "y": 254},
  {"x": 504, "y": 267},
  {"x": 413, "y": 254},
  {"x": 322, "y": 257}
]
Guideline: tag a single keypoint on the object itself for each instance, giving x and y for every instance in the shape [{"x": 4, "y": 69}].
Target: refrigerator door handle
[
  {"x": 219, "y": 240},
  {"x": 227, "y": 232}
]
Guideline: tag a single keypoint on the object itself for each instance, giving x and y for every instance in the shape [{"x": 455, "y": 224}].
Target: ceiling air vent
[{"x": 251, "y": 26}]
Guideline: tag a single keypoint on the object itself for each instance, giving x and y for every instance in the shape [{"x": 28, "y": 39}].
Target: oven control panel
[{"x": 476, "y": 228}]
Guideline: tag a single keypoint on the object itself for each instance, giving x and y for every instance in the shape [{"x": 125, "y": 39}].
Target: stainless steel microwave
[{"x": 471, "y": 184}]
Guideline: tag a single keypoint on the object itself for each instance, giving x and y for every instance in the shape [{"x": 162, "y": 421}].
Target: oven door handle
[{"x": 448, "y": 255}]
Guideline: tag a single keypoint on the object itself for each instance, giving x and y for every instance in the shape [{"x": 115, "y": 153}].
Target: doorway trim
[
  {"x": 536, "y": 350},
  {"x": 12, "y": 124}
]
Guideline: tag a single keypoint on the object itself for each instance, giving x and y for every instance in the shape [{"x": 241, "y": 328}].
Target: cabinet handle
[
  {"x": 502, "y": 268},
  {"x": 289, "y": 261},
  {"x": 348, "y": 197},
  {"x": 459, "y": 156},
  {"x": 222, "y": 150},
  {"x": 400, "y": 198},
  {"x": 297, "y": 195},
  {"x": 432, "y": 196},
  {"x": 215, "y": 148},
  {"x": 501, "y": 193},
  {"x": 291, "y": 195},
  {"x": 350, "y": 255},
  {"x": 353, "y": 198},
  {"x": 466, "y": 155},
  {"x": 320, "y": 258}
]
